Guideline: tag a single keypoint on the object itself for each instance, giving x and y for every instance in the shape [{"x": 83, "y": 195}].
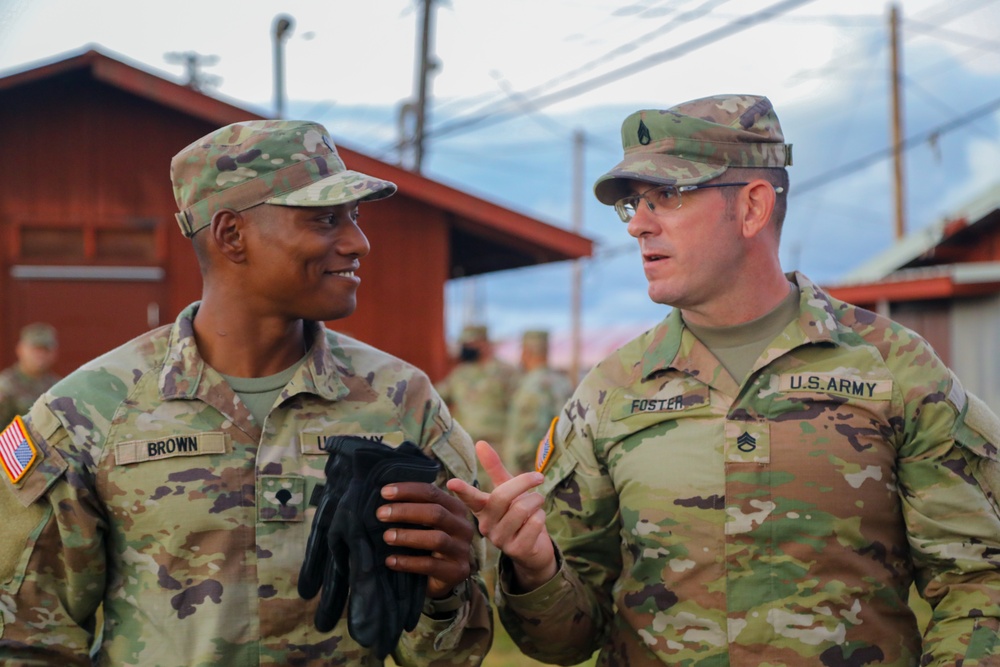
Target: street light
[{"x": 283, "y": 24}]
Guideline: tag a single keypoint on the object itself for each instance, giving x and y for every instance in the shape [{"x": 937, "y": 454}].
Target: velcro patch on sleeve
[
  {"x": 544, "y": 452},
  {"x": 194, "y": 444},
  {"x": 17, "y": 451}
]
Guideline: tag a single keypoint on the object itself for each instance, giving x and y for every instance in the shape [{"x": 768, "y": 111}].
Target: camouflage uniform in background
[
  {"x": 538, "y": 399},
  {"x": 159, "y": 496},
  {"x": 777, "y": 522},
  {"x": 19, "y": 390},
  {"x": 478, "y": 394}
]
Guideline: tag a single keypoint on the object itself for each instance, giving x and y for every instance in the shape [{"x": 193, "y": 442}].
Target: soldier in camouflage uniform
[
  {"x": 539, "y": 397},
  {"x": 479, "y": 388},
  {"x": 759, "y": 479},
  {"x": 30, "y": 376},
  {"x": 174, "y": 478}
]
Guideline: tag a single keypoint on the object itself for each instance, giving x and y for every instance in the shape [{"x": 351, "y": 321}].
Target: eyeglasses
[{"x": 665, "y": 197}]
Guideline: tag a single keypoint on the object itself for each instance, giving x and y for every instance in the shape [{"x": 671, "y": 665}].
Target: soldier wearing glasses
[{"x": 759, "y": 479}]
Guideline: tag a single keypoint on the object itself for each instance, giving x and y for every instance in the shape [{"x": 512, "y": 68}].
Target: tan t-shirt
[{"x": 738, "y": 347}]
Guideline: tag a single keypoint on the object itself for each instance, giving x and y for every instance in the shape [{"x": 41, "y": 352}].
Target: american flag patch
[{"x": 17, "y": 452}]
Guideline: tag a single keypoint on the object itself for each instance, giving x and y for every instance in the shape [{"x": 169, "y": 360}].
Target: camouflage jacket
[
  {"x": 780, "y": 522},
  {"x": 478, "y": 395},
  {"x": 18, "y": 391},
  {"x": 538, "y": 399},
  {"x": 160, "y": 497}
]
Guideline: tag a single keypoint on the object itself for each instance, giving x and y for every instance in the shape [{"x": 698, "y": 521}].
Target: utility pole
[
  {"x": 426, "y": 66},
  {"x": 576, "y": 215},
  {"x": 897, "y": 124},
  {"x": 283, "y": 24},
  {"x": 193, "y": 62}
]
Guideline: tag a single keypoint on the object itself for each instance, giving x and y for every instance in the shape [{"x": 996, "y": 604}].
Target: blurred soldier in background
[
  {"x": 175, "y": 479},
  {"x": 538, "y": 399},
  {"x": 30, "y": 376},
  {"x": 478, "y": 390}
]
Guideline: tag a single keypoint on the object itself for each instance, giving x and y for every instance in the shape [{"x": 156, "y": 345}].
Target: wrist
[
  {"x": 448, "y": 606},
  {"x": 527, "y": 579}
]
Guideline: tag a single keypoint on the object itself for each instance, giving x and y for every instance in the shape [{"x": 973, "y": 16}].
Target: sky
[{"x": 515, "y": 79}]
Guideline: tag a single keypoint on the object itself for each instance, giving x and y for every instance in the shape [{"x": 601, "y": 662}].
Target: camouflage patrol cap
[
  {"x": 281, "y": 162},
  {"x": 695, "y": 142},
  {"x": 39, "y": 334},
  {"x": 473, "y": 333},
  {"x": 535, "y": 339}
]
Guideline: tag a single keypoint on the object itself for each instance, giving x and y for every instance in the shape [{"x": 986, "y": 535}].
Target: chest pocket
[
  {"x": 286, "y": 497},
  {"x": 672, "y": 408}
]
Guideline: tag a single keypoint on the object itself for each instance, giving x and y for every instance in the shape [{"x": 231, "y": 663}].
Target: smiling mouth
[{"x": 342, "y": 274}]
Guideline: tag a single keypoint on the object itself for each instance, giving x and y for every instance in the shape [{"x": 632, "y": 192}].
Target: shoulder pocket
[
  {"x": 21, "y": 528},
  {"x": 44, "y": 428},
  {"x": 24, "y": 518},
  {"x": 977, "y": 433},
  {"x": 561, "y": 462}
]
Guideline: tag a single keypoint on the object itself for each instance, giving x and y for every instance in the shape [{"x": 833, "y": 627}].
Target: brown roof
[{"x": 485, "y": 236}]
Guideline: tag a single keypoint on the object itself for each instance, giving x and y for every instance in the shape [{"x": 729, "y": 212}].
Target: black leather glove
[
  {"x": 322, "y": 563},
  {"x": 346, "y": 550}
]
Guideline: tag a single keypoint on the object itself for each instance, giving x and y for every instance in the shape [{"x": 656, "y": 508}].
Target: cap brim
[
  {"x": 341, "y": 188},
  {"x": 654, "y": 168}
]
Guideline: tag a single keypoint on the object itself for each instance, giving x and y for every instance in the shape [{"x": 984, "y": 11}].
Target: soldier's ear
[
  {"x": 756, "y": 202},
  {"x": 227, "y": 231}
]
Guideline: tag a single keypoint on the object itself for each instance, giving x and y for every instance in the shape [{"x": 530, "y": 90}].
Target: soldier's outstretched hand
[{"x": 511, "y": 517}]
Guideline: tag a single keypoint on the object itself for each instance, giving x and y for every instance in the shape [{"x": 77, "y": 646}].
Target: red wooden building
[
  {"x": 943, "y": 282},
  {"x": 88, "y": 240}
]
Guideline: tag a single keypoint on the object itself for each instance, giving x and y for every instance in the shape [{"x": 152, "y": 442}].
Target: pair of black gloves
[{"x": 345, "y": 553}]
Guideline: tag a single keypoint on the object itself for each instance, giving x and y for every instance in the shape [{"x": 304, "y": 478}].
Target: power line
[
  {"x": 908, "y": 143},
  {"x": 628, "y": 47},
  {"x": 727, "y": 30},
  {"x": 955, "y": 37}
]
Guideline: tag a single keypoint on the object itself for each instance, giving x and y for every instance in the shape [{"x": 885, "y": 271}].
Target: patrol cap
[
  {"x": 535, "y": 339},
  {"x": 695, "y": 142},
  {"x": 39, "y": 334},
  {"x": 281, "y": 162},
  {"x": 473, "y": 333}
]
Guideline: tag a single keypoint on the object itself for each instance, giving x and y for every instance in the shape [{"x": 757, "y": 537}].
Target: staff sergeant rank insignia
[{"x": 746, "y": 442}]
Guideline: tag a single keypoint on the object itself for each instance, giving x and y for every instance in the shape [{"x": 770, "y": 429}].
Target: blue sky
[{"x": 824, "y": 64}]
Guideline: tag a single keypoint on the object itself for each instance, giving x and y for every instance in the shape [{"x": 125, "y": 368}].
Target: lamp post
[{"x": 283, "y": 24}]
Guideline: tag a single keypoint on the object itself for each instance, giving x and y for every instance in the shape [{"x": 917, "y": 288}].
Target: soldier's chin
[{"x": 339, "y": 311}]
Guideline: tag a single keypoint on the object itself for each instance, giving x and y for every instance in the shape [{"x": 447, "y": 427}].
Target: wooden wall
[{"x": 86, "y": 184}]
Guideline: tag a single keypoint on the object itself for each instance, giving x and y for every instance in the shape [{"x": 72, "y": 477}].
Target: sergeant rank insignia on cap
[{"x": 17, "y": 452}]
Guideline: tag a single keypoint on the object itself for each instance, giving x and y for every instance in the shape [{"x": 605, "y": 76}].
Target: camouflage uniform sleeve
[
  {"x": 565, "y": 620},
  {"x": 949, "y": 477},
  {"x": 464, "y": 637},
  {"x": 53, "y": 584}
]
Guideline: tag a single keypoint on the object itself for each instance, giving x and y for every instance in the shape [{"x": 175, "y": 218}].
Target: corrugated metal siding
[{"x": 975, "y": 335}]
